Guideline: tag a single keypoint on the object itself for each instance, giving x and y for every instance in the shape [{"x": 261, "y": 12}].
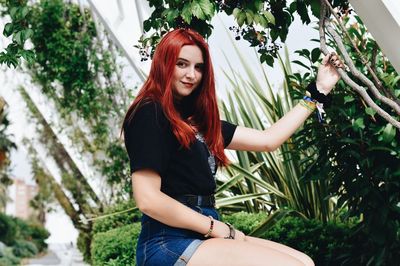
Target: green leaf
[
  {"x": 8, "y": 29},
  {"x": 370, "y": 111},
  {"x": 170, "y": 14},
  {"x": 359, "y": 123},
  {"x": 239, "y": 198},
  {"x": 348, "y": 99},
  {"x": 23, "y": 12},
  {"x": 249, "y": 16},
  {"x": 241, "y": 18},
  {"x": 388, "y": 133},
  {"x": 263, "y": 21},
  {"x": 268, "y": 15},
  {"x": 315, "y": 54},
  {"x": 18, "y": 37},
  {"x": 186, "y": 14},
  {"x": 267, "y": 58},
  {"x": 13, "y": 12},
  {"x": 202, "y": 9},
  {"x": 303, "y": 12},
  {"x": 301, "y": 64},
  {"x": 236, "y": 12}
]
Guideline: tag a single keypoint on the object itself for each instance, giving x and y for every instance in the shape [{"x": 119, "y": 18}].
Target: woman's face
[{"x": 188, "y": 71}]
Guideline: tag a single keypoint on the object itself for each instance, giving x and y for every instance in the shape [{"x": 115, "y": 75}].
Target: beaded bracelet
[{"x": 211, "y": 226}]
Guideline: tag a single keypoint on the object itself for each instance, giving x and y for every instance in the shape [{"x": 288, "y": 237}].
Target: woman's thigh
[
  {"x": 282, "y": 248},
  {"x": 218, "y": 251}
]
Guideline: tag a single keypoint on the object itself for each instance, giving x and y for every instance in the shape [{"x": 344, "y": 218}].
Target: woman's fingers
[{"x": 335, "y": 60}]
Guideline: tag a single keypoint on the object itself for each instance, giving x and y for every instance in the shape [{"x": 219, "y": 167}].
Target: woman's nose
[{"x": 190, "y": 73}]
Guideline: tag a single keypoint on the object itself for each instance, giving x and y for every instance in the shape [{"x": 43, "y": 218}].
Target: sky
[{"x": 127, "y": 30}]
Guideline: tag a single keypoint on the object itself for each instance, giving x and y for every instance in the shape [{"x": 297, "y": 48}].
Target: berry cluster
[{"x": 237, "y": 32}]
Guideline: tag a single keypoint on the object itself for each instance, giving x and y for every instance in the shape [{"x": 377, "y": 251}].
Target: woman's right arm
[{"x": 161, "y": 207}]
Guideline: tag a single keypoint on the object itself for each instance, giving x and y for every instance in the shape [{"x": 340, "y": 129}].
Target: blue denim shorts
[{"x": 160, "y": 244}]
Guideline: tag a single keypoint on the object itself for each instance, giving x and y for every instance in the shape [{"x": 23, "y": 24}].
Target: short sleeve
[
  {"x": 146, "y": 139},
  {"x": 228, "y": 130}
]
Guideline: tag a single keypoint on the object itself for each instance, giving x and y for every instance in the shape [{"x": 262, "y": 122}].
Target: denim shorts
[{"x": 160, "y": 244}]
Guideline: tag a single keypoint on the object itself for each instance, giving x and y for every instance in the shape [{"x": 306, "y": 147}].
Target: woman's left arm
[{"x": 249, "y": 139}]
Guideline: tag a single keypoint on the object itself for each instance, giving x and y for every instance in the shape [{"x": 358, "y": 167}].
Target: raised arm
[{"x": 248, "y": 139}]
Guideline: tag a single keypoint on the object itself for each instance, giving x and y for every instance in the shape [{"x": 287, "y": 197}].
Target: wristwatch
[{"x": 231, "y": 232}]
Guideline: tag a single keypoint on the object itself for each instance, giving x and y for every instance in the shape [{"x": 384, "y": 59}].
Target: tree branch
[
  {"x": 360, "y": 90},
  {"x": 376, "y": 80}
]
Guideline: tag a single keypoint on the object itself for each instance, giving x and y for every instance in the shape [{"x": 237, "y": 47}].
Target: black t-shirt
[{"x": 151, "y": 144}]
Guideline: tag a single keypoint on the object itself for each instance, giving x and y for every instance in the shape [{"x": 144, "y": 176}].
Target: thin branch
[
  {"x": 360, "y": 75},
  {"x": 360, "y": 90},
  {"x": 375, "y": 78}
]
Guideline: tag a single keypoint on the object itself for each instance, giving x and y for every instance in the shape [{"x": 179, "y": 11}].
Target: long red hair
[{"x": 203, "y": 102}]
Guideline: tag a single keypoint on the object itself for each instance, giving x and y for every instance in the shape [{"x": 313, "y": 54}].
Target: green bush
[
  {"x": 13, "y": 229},
  {"x": 24, "y": 249},
  {"x": 7, "y": 229},
  {"x": 115, "y": 247},
  {"x": 38, "y": 234},
  {"x": 324, "y": 243},
  {"x": 118, "y": 219},
  {"x": 7, "y": 258},
  {"x": 244, "y": 221}
]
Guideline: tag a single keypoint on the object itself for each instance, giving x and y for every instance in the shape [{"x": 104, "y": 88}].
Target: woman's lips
[{"x": 187, "y": 84}]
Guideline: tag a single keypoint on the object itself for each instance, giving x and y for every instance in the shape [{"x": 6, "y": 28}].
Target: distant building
[{"x": 23, "y": 194}]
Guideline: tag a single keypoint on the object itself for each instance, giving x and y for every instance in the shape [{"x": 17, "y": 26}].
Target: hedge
[{"x": 116, "y": 246}]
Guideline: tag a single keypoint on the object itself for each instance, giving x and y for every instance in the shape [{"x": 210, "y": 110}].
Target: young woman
[{"x": 176, "y": 140}]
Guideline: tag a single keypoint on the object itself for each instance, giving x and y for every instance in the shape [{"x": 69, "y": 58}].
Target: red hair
[{"x": 202, "y": 101}]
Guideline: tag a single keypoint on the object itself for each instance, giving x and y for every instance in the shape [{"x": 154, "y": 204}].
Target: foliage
[
  {"x": 245, "y": 222},
  {"x": 115, "y": 167},
  {"x": 7, "y": 258},
  {"x": 253, "y": 104},
  {"x": 77, "y": 70},
  {"x": 18, "y": 29},
  {"x": 116, "y": 246},
  {"x": 357, "y": 153},
  {"x": 83, "y": 244},
  {"x": 261, "y": 23},
  {"x": 6, "y": 145},
  {"x": 123, "y": 213},
  {"x": 14, "y": 229},
  {"x": 24, "y": 249},
  {"x": 324, "y": 243},
  {"x": 7, "y": 229}
]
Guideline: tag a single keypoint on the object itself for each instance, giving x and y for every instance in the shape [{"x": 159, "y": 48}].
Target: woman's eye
[
  {"x": 181, "y": 64},
  {"x": 200, "y": 67}
]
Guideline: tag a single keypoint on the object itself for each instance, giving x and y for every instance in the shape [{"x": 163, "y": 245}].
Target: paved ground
[{"x": 59, "y": 254}]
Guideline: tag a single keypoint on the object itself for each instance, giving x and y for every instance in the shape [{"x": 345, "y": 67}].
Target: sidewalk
[{"x": 59, "y": 254}]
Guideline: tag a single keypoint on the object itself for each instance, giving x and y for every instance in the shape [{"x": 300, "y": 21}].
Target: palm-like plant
[{"x": 268, "y": 181}]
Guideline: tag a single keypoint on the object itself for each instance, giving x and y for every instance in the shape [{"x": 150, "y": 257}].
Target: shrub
[
  {"x": 13, "y": 229},
  {"x": 324, "y": 243},
  {"x": 38, "y": 234},
  {"x": 118, "y": 219},
  {"x": 115, "y": 247},
  {"x": 24, "y": 249},
  {"x": 244, "y": 221},
  {"x": 8, "y": 258},
  {"x": 7, "y": 229}
]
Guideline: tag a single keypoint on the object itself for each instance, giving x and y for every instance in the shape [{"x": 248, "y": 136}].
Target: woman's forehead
[{"x": 191, "y": 53}]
